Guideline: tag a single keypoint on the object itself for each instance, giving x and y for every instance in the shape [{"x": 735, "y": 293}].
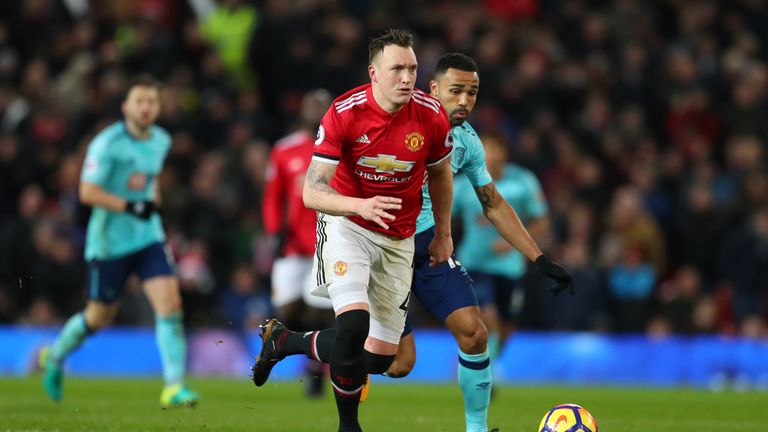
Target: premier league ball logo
[{"x": 320, "y": 135}]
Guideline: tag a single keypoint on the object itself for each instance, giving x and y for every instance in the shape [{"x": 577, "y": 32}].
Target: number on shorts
[{"x": 404, "y": 306}]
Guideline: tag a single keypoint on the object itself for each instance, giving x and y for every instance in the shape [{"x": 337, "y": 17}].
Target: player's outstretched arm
[
  {"x": 506, "y": 221},
  {"x": 319, "y": 195},
  {"x": 441, "y": 193},
  {"x": 508, "y": 224}
]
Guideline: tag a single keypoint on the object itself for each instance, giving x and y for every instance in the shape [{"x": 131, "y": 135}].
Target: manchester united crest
[
  {"x": 340, "y": 268},
  {"x": 414, "y": 141}
]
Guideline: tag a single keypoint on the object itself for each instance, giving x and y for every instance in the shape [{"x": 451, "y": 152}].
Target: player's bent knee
[
  {"x": 99, "y": 316},
  {"x": 97, "y": 322},
  {"x": 474, "y": 339},
  {"x": 352, "y": 327},
  {"x": 377, "y": 363},
  {"x": 480, "y": 336}
]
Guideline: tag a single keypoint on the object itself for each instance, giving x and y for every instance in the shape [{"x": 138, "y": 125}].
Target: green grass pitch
[{"x": 229, "y": 405}]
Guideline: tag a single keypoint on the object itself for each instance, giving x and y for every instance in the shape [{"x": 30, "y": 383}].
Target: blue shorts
[
  {"x": 504, "y": 292},
  {"x": 106, "y": 278},
  {"x": 442, "y": 289}
]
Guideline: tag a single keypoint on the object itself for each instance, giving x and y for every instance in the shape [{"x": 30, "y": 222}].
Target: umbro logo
[
  {"x": 483, "y": 385},
  {"x": 363, "y": 139}
]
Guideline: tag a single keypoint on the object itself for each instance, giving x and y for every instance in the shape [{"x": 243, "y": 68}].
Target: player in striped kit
[{"x": 373, "y": 149}]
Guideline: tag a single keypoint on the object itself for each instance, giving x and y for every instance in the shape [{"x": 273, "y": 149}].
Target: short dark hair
[
  {"x": 458, "y": 61},
  {"x": 391, "y": 37},
  {"x": 143, "y": 80}
]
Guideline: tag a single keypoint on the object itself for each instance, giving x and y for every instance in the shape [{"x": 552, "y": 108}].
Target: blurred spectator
[
  {"x": 20, "y": 251},
  {"x": 196, "y": 282},
  {"x": 744, "y": 264},
  {"x": 245, "y": 304},
  {"x": 700, "y": 226},
  {"x": 691, "y": 124},
  {"x": 228, "y": 27},
  {"x": 13, "y": 175},
  {"x": 41, "y": 312},
  {"x": 632, "y": 234},
  {"x": 681, "y": 306},
  {"x": 630, "y": 283},
  {"x": 746, "y": 112}
]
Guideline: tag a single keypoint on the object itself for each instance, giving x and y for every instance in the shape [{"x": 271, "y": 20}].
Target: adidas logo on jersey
[{"x": 363, "y": 139}]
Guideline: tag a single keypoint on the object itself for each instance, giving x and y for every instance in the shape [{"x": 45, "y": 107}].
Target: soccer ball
[{"x": 568, "y": 418}]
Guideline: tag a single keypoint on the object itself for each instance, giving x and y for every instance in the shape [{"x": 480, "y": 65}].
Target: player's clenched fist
[
  {"x": 376, "y": 209},
  {"x": 440, "y": 249}
]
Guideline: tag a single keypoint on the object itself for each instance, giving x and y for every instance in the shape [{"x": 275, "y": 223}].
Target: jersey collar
[{"x": 375, "y": 105}]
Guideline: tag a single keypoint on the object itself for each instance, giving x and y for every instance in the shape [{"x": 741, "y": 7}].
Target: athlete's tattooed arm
[
  {"x": 506, "y": 221},
  {"x": 319, "y": 195}
]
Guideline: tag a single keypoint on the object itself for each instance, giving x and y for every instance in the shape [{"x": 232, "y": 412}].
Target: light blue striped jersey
[
  {"x": 468, "y": 158},
  {"x": 127, "y": 167}
]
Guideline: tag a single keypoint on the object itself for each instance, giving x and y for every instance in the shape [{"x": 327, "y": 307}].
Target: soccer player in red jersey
[
  {"x": 291, "y": 228},
  {"x": 374, "y": 149}
]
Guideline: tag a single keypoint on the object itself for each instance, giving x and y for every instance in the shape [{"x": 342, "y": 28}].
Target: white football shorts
[{"x": 355, "y": 265}]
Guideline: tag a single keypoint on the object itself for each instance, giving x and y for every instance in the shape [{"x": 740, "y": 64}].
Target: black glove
[
  {"x": 140, "y": 209},
  {"x": 548, "y": 268}
]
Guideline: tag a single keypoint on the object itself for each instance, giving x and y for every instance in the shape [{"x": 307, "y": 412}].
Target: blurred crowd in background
[{"x": 646, "y": 123}]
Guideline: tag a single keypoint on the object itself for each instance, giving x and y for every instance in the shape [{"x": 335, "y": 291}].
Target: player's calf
[
  {"x": 405, "y": 358},
  {"x": 468, "y": 329},
  {"x": 473, "y": 340},
  {"x": 377, "y": 364},
  {"x": 399, "y": 369}
]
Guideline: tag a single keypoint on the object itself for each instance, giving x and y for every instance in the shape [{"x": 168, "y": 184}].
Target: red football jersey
[
  {"x": 283, "y": 207},
  {"x": 385, "y": 154}
]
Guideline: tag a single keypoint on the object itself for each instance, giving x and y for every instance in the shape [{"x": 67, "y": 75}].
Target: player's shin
[
  {"x": 475, "y": 383},
  {"x": 169, "y": 332},
  {"x": 348, "y": 366},
  {"x": 316, "y": 344},
  {"x": 52, "y": 359},
  {"x": 71, "y": 337}
]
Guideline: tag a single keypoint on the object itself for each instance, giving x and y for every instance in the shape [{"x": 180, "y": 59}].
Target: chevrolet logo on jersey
[{"x": 386, "y": 164}]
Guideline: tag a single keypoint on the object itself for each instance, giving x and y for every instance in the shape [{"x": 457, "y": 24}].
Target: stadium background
[{"x": 645, "y": 122}]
